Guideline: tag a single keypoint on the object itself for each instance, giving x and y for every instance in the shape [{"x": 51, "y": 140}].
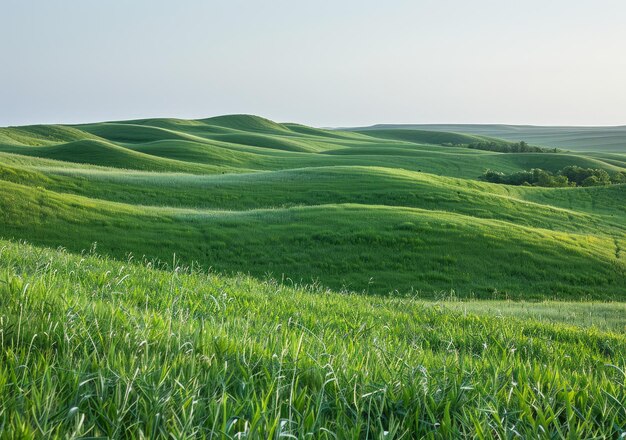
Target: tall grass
[{"x": 92, "y": 347}]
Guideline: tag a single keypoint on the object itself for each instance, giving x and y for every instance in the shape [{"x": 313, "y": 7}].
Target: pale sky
[{"x": 322, "y": 62}]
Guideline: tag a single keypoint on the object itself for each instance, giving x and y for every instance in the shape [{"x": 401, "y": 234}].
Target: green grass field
[
  {"x": 589, "y": 139},
  {"x": 93, "y": 347},
  {"x": 395, "y": 211},
  {"x": 235, "y": 277}
]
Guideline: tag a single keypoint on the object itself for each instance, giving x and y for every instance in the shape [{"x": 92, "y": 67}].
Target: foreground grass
[{"x": 98, "y": 348}]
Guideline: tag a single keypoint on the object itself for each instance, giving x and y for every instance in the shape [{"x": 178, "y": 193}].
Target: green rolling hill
[
  {"x": 592, "y": 139},
  {"x": 427, "y": 136},
  {"x": 386, "y": 210},
  {"x": 234, "y": 277}
]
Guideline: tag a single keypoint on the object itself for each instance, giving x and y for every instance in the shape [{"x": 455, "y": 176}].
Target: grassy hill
[
  {"x": 427, "y": 136},
  {"x": 234, "y": 277},
  {"x": 597, "y": 139},
  {"x": 378, "y": 211},
  {"x": 107, "y": 154},
  {"x": 362, "y": 247}
]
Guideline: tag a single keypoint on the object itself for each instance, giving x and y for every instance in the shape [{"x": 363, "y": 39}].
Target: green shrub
[{"x": 568, "y": 176}]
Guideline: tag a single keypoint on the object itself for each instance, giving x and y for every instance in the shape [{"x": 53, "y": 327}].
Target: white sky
[{"x": 322, "y": 62}]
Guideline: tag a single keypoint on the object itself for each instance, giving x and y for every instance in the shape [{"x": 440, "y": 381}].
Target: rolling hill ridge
[{"x": 385, "y": 210}]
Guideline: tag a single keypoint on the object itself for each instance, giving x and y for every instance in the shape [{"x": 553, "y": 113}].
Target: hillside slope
[
  {"x": 97, "y": 348},
  {"x": 389, "y": 211},
  {"x": 602, "y": 139},
  {"x": 361, "y": 247}
]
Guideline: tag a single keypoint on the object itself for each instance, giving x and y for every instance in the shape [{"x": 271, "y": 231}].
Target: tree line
[
  {"x": 569, "y": 176},
  {"x": 504, "y": 147},
  {"x": 517, "y": 147}
]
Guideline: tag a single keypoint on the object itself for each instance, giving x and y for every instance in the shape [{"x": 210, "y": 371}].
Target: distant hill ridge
[{"x": 585, "y": 138}]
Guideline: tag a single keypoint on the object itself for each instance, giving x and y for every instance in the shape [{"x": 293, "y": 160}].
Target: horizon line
[{"x": 338, "y": 127}]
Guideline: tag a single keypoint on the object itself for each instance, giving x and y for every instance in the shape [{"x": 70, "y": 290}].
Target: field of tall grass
[{"x": 93, "y": 347}]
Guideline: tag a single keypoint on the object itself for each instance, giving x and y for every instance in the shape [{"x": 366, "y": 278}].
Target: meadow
[
  {"x": 100, "y": 348},
  {"x": 588, "y": 139},
  {"x": 402, "y": 211},
  {"x": 235, "y": 277}
]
